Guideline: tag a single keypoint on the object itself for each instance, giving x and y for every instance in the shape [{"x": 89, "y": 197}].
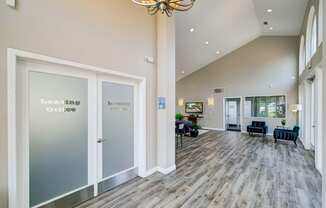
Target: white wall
[
  {"x": 247, "y": 71},
  {"x": 110, "y": 34},
  {"x": 324, "y": 106}
]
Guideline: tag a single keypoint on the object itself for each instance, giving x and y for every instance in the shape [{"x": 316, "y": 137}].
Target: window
[
  {"x": 302, "y": 62},
  {"x": 320, "y": 22},
  {"x": 309, "y": 34},
  {"x": 265, "y": 107},
  {"x": 314, "y": 37}
]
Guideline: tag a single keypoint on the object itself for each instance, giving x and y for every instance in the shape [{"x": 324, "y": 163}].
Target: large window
[
  {"x": 320, "y": 22},
  {"x": 314, "y": 37},
  {"x": 311, "y": 34},
  {"x": 302, "y": 58},
  {"x": 265, "y": 107}
]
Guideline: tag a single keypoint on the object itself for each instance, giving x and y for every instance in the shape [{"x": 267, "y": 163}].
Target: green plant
[
  {"x": 195, "y": 126},
  {"x": 179, "y": 116}
]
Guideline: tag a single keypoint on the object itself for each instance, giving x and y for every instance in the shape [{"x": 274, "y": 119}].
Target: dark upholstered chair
[
  {"x": 257, "y": 127},
  {"x": 180, "y": 131},
  {"x": 286, "y": 134}
]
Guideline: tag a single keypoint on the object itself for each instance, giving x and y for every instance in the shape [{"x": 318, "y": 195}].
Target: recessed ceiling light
[
  {"x": 269, "y": 10},
  {"x": 192, "y": 30},
  {"x": 206, "y": 43},
  {"x": 218, "y": 52},
  {"x": 270, "y": 28},
  {"x": 182, "y": 72}
]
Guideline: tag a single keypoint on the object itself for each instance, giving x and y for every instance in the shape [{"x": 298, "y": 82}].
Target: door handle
[{"x": 101, "y": 141}]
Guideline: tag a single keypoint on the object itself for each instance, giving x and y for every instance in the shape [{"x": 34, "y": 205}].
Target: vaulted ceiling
[{"x": 214, "y": 28}]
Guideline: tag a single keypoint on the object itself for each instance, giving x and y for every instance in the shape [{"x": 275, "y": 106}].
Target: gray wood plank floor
[{"x": 226, "y": 170}]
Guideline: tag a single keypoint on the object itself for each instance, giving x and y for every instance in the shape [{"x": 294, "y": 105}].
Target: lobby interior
[{"x": 140, "y": 104}]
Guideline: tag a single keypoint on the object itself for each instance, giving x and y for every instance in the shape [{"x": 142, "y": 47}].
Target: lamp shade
[
  {"x": 210, "y": 101},
  {"x": 180, "y": 102}
]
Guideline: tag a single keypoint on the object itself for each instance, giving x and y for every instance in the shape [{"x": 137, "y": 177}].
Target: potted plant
[
  {"x": 283, "y": 122},
  {"x": 194, "y": 130},
  {"x": 179, "y": 116}
]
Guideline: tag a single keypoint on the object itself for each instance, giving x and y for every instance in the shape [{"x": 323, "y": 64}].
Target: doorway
[
  {"x": 233, "y": 114},
  {"x": 77, "y": 133},
  {"x": 314, "y": 107}
]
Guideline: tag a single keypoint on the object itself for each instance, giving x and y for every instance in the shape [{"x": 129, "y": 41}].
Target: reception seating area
[
  {"x": 287, "y": 134},
  {"x": 280, "y": 133},
  {"x": 257, "y": 127}
]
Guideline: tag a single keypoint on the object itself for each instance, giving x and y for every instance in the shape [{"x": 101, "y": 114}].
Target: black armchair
[
  {"x": 257, "y": 127},
  {"x": 286, "y": 134},
  {"x": 180, "y": 131}
]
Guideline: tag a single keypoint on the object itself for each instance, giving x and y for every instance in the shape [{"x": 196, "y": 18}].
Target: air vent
[
  {"x": 265, "y": 23},
  {"x": 217, "y": 91}
]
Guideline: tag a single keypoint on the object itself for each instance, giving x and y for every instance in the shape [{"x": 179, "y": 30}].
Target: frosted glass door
[
  {"x": 117, "y": 128},
  {"x": 58, "y": 135}
]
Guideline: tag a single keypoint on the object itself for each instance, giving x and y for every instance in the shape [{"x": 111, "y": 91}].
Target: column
[{"x": 165, "y": 93}]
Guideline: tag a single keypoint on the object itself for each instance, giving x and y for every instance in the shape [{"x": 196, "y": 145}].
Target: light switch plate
[
  {"x": 149, "y": 59},
  {"x": 11, "y": 3}
]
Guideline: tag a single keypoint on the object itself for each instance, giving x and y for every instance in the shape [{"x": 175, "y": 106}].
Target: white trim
[
  {"x": 149, "y": 172},
  {"x": 92, "y": 126},
  {"x": 61, "y": 196},
  {"x": 213, "y": 129},
  {"x": 12, "y": 57},
  {"x": 141, "y": 132},
  {"x": 11, "y": 105},
  {"x": 166, "y": 171},
  {"x": 241, "y": 109},
  {"x": 23, "y": 54}
]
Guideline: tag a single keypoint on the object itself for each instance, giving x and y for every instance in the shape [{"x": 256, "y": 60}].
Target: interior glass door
[
  {"x": 58, "y": 136},
  {"x": 116, "y": 134},
  {"x": 232, "y": 114}
]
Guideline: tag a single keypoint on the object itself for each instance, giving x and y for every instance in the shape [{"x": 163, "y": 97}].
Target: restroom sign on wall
[{"x": 161, "y": 103}]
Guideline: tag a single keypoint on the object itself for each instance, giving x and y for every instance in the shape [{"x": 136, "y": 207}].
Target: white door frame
[
  {"x": 13, "y": 56},
  {"x": 319, "y": 120},
  {"x": 23, "y": 124},
  {"x": 105, "y": 78},
  {"x": 224, "y": 110},
  {"x": 313, "y": 115}
]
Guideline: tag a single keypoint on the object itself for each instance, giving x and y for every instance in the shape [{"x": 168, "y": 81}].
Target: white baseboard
[
  {"x": 149, "y": 172},
  {"x": 214, "y": 129},
  {"x": 164, "y": 171}
]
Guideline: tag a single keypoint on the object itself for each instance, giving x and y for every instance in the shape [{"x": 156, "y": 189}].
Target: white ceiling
[
  {"x": 286, "y": 18},
  {"x": 228, "y": 25}
]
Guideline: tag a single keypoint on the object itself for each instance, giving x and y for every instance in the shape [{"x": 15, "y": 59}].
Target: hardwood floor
[{"x": 226, "y": 170}]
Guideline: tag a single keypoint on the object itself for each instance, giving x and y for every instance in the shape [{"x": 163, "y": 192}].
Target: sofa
[
  {"x": 287, "y": 134},
  {"x": 258, "y": 127}
]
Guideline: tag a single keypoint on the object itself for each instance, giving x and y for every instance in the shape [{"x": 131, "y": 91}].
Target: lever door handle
[{"x": 101, "y": 140}]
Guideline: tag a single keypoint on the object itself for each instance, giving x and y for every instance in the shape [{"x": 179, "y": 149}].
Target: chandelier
[{"x": 165, "y": 6}]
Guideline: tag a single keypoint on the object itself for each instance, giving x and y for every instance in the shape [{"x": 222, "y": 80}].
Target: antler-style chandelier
[{"x": 165, "y": 6}]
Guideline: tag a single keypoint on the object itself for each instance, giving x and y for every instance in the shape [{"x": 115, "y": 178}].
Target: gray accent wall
[
  {"x": 111, "y": 34},
  {"x": 264, "y": 66}
]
